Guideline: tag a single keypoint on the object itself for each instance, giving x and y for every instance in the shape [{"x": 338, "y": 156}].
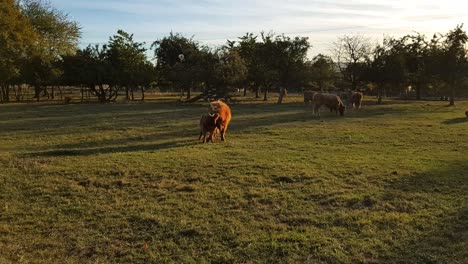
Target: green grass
[{"x": 129, "y": 183}]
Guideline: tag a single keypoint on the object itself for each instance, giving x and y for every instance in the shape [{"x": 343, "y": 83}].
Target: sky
[{"x": 212, "y": 22}]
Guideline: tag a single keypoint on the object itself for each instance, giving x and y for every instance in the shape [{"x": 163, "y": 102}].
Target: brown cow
[
  {"x": 309, "y": 96},
  {"x": 356, "y": 100},
  {"x": 224, "y": 112},
  {"x": 332, "y": 101},
  {"x": 209, "y": 124}
]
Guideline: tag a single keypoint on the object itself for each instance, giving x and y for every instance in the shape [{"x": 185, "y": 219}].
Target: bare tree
[{"x": 350, "y": 54}]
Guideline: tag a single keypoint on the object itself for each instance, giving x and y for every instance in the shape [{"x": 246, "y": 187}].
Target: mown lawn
[{"x": 129, "y": 183}]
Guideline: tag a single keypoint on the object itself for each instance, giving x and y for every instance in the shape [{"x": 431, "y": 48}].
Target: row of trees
[
  {"x": 409, "y": 63},
  {"x": 121, "y": 65},
  {"x": 257, "y": 62},
  {"x": 38, "y": 47}
]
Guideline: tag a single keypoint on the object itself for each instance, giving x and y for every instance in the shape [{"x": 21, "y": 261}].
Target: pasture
[{"x": 130, "y": 183}]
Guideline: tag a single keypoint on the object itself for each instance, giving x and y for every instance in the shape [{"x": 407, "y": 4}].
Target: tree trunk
[
  {"x": 142, "y": 93},
  {"x": 60, "y": 92},
  {"x": 265, "y": 95},
  {"x": 281, "y": 95},
  {"x": 131, "y": 93},
  {"x": 257, "y": 92},
  {"x": 188, "y": 93},
  {"x": 418, "y": 92},
  {"x": 452, "y": 95},
  {"x": 37, "y": 92},
  {"x": 3, "y": 88},
  {"x": 245, "y": 91},
  {"x": 102, "y": 94},
  {"x": 113, "y": 94},
  {"x": 353, "y": 83},
  {"x": 17, "y": 93},
  {"x": 6, "y": 92},
  {"x": 46, "y": 92},
  {"x": 379, "y": 95}
]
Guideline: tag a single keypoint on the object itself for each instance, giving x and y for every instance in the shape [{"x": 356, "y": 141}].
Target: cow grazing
[
  {"x": 224, "y": 112},
  {"x": 209, "y": 124},
  {"x": 356, "y": 100},
  {"x": 332, "y": 101},
  {"x": 309, "y": 96}
]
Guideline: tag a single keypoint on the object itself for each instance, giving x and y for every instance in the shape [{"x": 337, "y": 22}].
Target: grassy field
[{"x": 129, "y": 183}]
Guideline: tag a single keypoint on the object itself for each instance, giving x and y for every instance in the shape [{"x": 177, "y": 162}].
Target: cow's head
[
  {"x": 213, "y": 107},
  {"x": 341, "y": 109},
  {"x": 213, "y": 119}
]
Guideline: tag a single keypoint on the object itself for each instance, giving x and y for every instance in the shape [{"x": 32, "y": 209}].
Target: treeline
[{"x": 39, "y": 48}]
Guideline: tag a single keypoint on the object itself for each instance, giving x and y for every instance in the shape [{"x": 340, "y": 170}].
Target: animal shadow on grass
[
  {"x": 112, "y": 149},
  {"x": 457, "y": 120}
]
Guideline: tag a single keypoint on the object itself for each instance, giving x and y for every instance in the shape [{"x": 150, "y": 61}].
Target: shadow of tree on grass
[
  {"x": 457, "y": 120},
  {"x": 440, "y": 226}
]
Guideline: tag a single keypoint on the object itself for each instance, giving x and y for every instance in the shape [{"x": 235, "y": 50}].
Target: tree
[
  {"x": 91, "y": 68},
  {"x": 322, "y": 71},
  {"x": 16, "y": 38},
  {"x": 453, "y": 65},
  {"x": 218, "y": 72},
  {"x": 56, "y": 35},
  {"x": 177, "y": 60},
  {"x": 230, "y": 71},
  {"x": 248, "y": 50},
  {"x": 268, "y": 70},
  {"x": 127, "y": 59},
  {"x": 292, "y": 62},
  {"x": 378, "y": 71},
  {"x": 351, "y": 53},
  {"x": 273, "y": 62},
  {"x": 411, "y": 53},
  {"x": 415, "y": 54},
  {"x": 388, "y": 67},
  {"x": 145, "y": 74}
]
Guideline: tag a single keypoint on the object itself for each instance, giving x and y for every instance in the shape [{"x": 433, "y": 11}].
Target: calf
[{"x": 209, "y": 124}]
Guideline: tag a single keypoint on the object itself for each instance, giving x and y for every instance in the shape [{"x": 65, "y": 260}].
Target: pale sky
[{"x": 212, "y": 22}]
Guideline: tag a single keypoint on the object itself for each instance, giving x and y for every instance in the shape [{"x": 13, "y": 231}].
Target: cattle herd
[{"x": 219, "y": 114}]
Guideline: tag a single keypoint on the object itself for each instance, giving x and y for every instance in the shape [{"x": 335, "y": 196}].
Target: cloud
[{"x": 214, "y": 21}]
